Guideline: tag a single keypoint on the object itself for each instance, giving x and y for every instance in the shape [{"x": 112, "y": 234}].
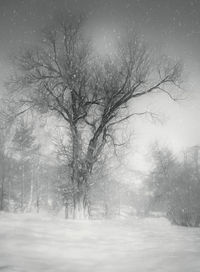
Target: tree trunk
[
  {"x": 31, "y": 192},
  {"x": 2, "y": 195},
  {"x": 38, "y": 193},
  {"x": 105, "y": 200},
  {"x": 81, "y": 205},
  {"x": 80, "y": 197},
  {"x": 22, "y": 189},
  {"x": 38, "y": 205},
  {"x": 80, "y": 174},
  {"x": 66, "y": 211},
  {"x": 9, "y": 188},
  {"x": 119, "y": 198}
]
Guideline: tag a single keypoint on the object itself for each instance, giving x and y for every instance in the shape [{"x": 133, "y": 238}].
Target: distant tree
[
  {"x": 90, "y": 95},
  {"x": 163, "y": 176},
  {"x": 46, "y": 185},
  {"x": 7, "y": 176},
  {"x": 4, "y": 168},
  {"x": 175, "y": 187},
  {"x": 24, "y": 147},
  {"x": 5, "y": 159},
  {"x": 185, "y": 204}
]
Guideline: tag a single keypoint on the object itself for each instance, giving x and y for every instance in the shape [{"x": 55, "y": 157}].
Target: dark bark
[
  {"x": 81, "y": 172},
  {"x": 80, "y": 195},
  {"x": 66, "y": 211},
  {"x": 38, "y": 205},
  {"x": 22, "y": 189},
  {"x": 38, "y": 193},
  {"x": 81, "y": 206},
  {"x": 2, "y": 195}
]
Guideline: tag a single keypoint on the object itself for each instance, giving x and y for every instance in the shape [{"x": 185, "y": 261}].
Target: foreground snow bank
[{"x": 29, "y": 243}]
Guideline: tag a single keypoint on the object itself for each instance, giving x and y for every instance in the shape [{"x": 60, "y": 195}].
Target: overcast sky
[{"x": 170, "y": 26}]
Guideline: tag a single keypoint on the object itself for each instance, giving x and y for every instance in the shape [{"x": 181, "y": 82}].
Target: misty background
[{"x": 99, "y": 125}]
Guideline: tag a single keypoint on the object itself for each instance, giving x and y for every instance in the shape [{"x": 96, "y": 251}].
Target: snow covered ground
[{"x": 30, "y": 243}]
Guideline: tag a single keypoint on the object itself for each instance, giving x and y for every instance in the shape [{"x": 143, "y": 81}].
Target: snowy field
[{"x": 30, "y": 243}]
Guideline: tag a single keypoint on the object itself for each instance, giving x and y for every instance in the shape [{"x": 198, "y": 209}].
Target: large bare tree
[{"x": 92, "y": 95}]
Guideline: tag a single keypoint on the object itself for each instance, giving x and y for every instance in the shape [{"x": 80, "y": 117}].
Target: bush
[
  {"x": 184, "y": 217},
  {"x": 175, "y": 188}
]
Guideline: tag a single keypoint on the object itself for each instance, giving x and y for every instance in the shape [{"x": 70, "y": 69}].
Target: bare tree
[
  {"x": 6, "y": 122},
  {"x": 63, "y": 77}
]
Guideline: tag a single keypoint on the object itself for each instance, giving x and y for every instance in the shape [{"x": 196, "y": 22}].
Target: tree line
[
  {"x": 31, "y": 182},
  {"x": 173, "y": 186}
]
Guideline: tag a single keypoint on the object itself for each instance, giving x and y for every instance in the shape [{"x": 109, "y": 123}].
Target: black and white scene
[{"x": 99, "y": 135}]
